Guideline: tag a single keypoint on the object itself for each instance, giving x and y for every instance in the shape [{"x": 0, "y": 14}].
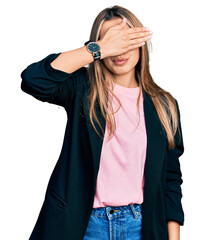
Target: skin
[
  {"x": 173, "y": 230},
  {"x": 123, "y": 75}
]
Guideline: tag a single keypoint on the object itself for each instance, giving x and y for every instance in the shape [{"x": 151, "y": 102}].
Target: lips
[{"x": 120, "y": 61}]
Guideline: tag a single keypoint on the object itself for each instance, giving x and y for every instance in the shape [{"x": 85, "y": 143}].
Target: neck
[{"x": 127, "y": 79}]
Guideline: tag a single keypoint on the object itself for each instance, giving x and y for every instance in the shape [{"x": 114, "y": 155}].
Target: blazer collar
[{"x": 156, "y": 147}]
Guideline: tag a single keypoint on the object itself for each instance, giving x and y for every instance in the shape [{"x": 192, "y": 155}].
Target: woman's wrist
[
  {"x": 173, "y": 230},
  {"x": 102, "y": 49}
]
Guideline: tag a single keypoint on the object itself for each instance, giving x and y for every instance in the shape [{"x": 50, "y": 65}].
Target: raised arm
[{"x": 54, "y": 78}]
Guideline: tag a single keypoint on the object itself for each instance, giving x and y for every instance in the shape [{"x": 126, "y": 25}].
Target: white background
[{"x": 31, "y": 30}]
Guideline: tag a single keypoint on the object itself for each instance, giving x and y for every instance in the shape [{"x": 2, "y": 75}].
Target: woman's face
[{"x": 132, "y": 55}]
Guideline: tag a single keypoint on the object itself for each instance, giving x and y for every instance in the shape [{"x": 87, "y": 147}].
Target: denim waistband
[{"x": 117, "y": 211}]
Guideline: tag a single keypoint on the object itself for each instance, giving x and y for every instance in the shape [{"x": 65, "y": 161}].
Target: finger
[
  {"x": 124, "y": 22},
  {"x": 140, "y": 35},
  {"x": 138, "y": 40},
  {"x": 121, "y": 24},
  {"x": 136, "y": 45},
  {"x": 137, "y": 29}
]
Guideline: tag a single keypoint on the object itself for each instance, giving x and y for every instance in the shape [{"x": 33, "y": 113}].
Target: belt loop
[{"x": 133, "y": 210}]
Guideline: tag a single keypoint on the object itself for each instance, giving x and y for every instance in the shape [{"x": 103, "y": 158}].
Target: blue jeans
[{"x": 115, "y": 223}]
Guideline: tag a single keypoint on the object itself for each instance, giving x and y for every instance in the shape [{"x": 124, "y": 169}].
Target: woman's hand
[{"x": 118, "y": 39}]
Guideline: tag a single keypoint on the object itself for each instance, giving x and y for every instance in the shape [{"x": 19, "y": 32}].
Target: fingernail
[{"x": 124, "y": 19}]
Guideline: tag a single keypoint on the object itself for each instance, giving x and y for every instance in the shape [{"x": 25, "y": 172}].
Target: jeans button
[{"x": 111, "y": 211}]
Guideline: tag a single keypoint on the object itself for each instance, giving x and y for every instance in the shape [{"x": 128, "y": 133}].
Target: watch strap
[
  {"x": 97, "y": 56},
  {"x": 87, "y": 42}
]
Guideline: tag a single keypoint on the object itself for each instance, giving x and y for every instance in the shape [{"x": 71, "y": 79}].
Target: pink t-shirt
[{"x": 120, "y": 179}]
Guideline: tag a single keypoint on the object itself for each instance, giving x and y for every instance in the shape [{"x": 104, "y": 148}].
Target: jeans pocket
[{"x": 139, "y": 214}]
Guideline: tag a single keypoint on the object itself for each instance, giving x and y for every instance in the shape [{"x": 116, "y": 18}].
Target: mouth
[{"x": 120, "y": 61}]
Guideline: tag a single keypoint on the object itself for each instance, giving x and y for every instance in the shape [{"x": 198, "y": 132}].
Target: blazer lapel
[
  {"x": 156, "y": 146},
  {"x": 95, "y": 141}
]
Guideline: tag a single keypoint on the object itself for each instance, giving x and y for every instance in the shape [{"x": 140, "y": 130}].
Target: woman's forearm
[
  {"x": 72, "y": 60},
  {"x": 173, "y": 230}
]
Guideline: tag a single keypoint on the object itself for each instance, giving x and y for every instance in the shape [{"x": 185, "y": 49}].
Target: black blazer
[{"x": 69, "y": 196}]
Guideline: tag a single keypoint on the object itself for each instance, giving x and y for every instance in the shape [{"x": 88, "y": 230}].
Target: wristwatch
[{"x": 94, "y": 49}]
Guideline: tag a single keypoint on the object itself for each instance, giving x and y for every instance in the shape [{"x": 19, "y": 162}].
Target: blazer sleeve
[
  {"x": 48, "y": 84},
  {"x": 173, "y": 191}
]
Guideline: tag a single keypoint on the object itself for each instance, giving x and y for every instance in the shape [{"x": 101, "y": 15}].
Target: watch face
[{"x": 93, "y": 47}]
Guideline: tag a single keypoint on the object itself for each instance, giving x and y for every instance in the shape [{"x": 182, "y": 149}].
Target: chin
[{"x": 120, "y": 71}]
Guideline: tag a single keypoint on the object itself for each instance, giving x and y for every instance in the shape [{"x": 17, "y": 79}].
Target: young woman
[{"x": 118, "y": 174}]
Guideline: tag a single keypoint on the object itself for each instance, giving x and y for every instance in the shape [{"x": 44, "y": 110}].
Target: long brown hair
[{"x": 100, "y": 79}]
